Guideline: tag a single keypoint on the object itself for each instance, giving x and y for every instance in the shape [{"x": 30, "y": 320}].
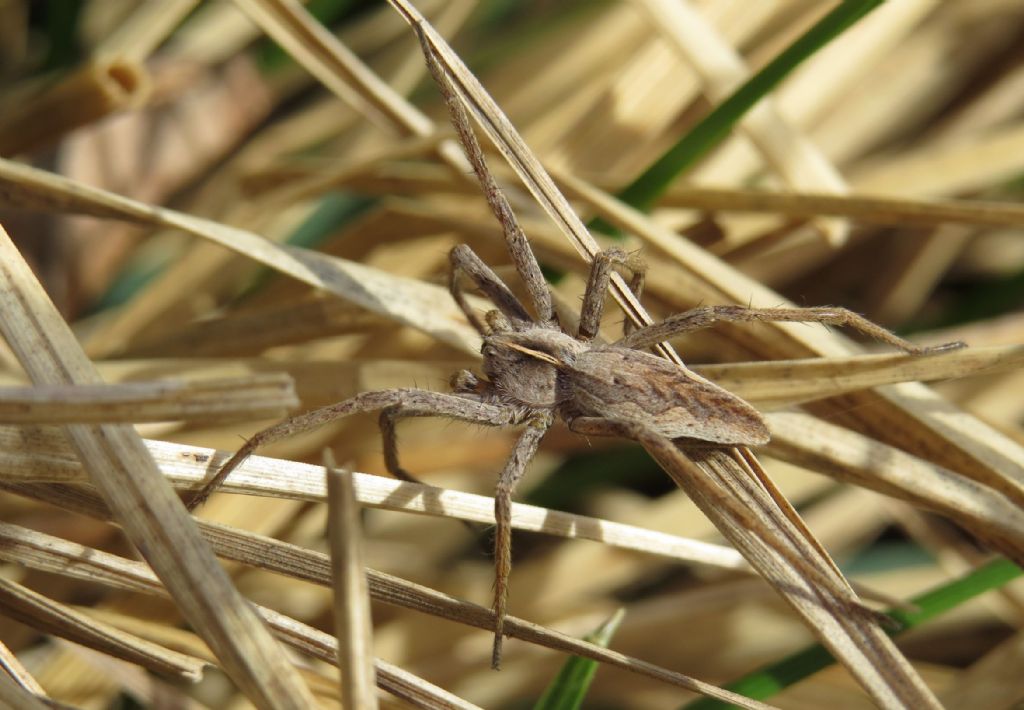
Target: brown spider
[{"x": 536, "y": 372}]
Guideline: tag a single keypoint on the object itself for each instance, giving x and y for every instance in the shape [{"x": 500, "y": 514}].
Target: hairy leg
[
  {"x": 706, "y": 316},
  {"x": 524, "y": 451},
  {"x": 423, "y": 401},
  {"x": 518, "y": 247},
  {"x": 465, "y": 261},
  {"x": 597, "y": 287}
]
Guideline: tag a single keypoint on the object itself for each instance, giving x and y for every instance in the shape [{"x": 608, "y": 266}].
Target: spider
[{"x": 536, "y": 372}]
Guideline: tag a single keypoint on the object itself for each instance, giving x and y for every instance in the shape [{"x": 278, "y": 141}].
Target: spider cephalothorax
[
  {"x": 543, "y": 368},
  {"x": 524, "y": 366}
]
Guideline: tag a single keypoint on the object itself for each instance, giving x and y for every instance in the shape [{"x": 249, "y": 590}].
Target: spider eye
[{"x": 489, "y": 351}]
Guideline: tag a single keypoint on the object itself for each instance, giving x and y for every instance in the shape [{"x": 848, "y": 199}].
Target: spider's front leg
[
  {"x": 706, "y": 316},
  {"x": 419, "y": 402},
  {"x": 453, "y": 406},
  {"x": 597, "y": 287},
  {"x": 522, "y": 453},
  {"x": 465, "y": 261},
  {"x": 538, "y": 423}
]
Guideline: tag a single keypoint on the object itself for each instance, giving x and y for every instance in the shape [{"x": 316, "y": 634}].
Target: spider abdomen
[{"x": 637, "y": 387}]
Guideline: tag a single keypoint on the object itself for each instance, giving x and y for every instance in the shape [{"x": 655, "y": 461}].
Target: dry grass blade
[
  {"x": 778, "y": 383},
  {"x": 61, "y": 557},
  {"x": 136, "y": 682},
  {"x": 993, "y": 681},
  {"x": 784, "y": 553},
  {"x": 389, "y": 677},
  {"x": 41, "y": 455},
  {"x": 415, "y": 691},
  {"x": 861, "y": 460},
  {"x": 352, "y": 623},
  {"x": 341, "y": 71},
  {"x": 144, "y": 30},
  {"x": 958, "y": 168},
  {"x": 247, "y": 333},
  {"x": 864, "y": 208},
  {"x": 907, "y": 415},
  {"x": 16, "y": 695},
  {"x": 420, "y": 305},
  {"x": 31, "y": 608},
  {"x": 268, "y": 395},
  {"x": 284, "y": 122},
  {"x": 11, "y": 666},
  {"x": 152, "y": 515},
  {"x": 40, "y": 551}
]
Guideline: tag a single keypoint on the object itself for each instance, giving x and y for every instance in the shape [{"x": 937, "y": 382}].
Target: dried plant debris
[{"x": 246, "y": 213}]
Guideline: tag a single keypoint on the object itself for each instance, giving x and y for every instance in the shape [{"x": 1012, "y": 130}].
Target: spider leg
[
  {"x": 465, "y": 261},
  {"x": 706, "y": 316},
  {"x": 423, "y": 401},
  {"x": 522, "y": 453},
  {"x": 453, "y": 406},
  {"x": 515, "y": 240},
  {"x": 597, "y": 287}
]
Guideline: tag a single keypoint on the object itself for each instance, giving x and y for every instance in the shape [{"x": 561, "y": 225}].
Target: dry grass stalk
[
  {"x": 333, "y": 64},
  {"x": 855, "y": 458},
  {"x": 137, "y": 682},
  {"x": 16, "y": 695},
  {"x": 147, "y": 508},
  {"x": 41, "y": 456},
  {"x": 880, "y": 209},
  {"x": 352, "y": 622},
  {"x": 37, "y": 611},
  {"x": 39, "y": 551},
  {"x": 14, "y": 669},
  {"x": 145, "y": 29},
  {"x": 259, "y": 396},
  {"x": 405, "y": 300},
  {"x": 41, "y": 116},
  {"x": 817, "y": 592},
  {"x": 779, "y": 383},
  {"x": 907, "y": 415},
  {"x": 991, "y": 681},
  {"x": 45, "y": 552}
]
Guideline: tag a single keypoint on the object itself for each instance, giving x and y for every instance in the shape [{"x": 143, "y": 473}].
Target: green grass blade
[
  {"x": 570, "y": 686},
  {"x": 645, "y": 190},
  {"x": 764, "y": 683}
]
